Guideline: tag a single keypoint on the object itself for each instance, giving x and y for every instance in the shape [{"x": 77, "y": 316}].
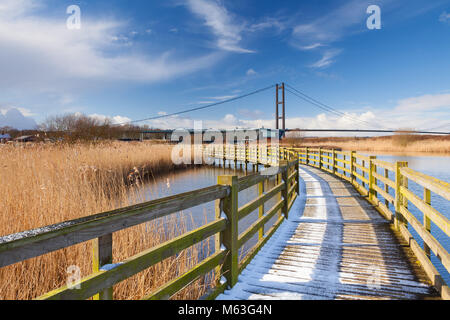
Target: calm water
[
  {"x": 196, "y": 178},
  {"x": 201, "y": 177}
]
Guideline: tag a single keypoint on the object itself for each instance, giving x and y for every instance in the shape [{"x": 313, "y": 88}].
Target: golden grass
[
  {"x": 403, "y": 143},
  {"x": 47, "y": 184}
]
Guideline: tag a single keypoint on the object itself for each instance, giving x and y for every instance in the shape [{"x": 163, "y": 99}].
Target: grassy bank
[
  {"x": 397, "y": 143},
  {"x": 47, "y": 184}
]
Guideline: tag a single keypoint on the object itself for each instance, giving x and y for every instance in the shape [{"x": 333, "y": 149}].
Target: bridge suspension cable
[
  {"x": 327, "y": 108},
  {"x": 202, "y": 107}
]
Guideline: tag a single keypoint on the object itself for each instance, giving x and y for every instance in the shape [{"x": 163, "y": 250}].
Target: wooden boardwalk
[{"x": 334, "y": 246}]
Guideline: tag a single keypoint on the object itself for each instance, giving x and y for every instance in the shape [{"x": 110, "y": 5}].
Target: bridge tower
[{"x": 281, "y": 102}]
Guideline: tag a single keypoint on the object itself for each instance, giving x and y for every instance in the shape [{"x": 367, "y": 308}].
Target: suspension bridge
[{"x": 280, "y": 100}]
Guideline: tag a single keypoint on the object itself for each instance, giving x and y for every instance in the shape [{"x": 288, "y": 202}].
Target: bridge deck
[{"x": 334, "y": 246}]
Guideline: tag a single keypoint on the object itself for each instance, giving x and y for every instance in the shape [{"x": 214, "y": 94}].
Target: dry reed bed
[
  {"x": 47, "y": 184},
  {"x": 400, "y": 143}
]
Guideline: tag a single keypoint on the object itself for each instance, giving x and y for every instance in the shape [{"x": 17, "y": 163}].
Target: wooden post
[
  {"x": 235, "y": 157},
  {"x": 307, "y": 156},
  {"x": 102, "y": 255},
  {"x": 372, "y": 169},
  {"x": 386, "y": 187},
  {"x": 320, "y": 158},
  {"x": 230, "y": 235},
  {"x": 224, "y": 152},
  {"x": 284, "y": 177},
  {"x": 334, "y": 162},
  {"x": 297, "y": 189},
  {"x": 427, "y": 220},
  {"x": 218, "y": 240},
  {"x": 246, "y": 156},
  {"x": 363, "y": 173},
  {"x": 261, "y": 209},
  {"x": 352, "y": 167},
  {"x": 399, "y": 201}
]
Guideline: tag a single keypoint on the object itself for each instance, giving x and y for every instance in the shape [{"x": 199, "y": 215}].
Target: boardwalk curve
[{"x": 334, "y": 246}]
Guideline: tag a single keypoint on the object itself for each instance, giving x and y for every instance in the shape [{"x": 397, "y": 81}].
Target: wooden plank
[
  {"x": 431, "y": 271},
  {"x": 292, "y": 189},
  {"x": 385, "y": 195},
  {"x": 384, "y": 164},
  {"x": 104, "y": 279},
  {"x": 434, "y": 245},
  {"x": 385, "y": 180},
  {"x": 30, "y": 244},
  {"x": 261, "y": 210},
  {"x": 360, "y": 177},
  {"x": 327, "y": 163},
  {"x": 362, "y": 168},
  {"x": 253, "y": 179},
  {"x": 426, "y": 219},
  {"x": 343, "y": 169},
  {"x": 361, "y": 157},
  {"x": 171, "y": 288},
  {"x": 383, "y": 209},
  {"x": 342, "y": 161},
  {"x": 255, "y": 204},
  {"x": 285, "y": 194},
  {"x": 247, "y": 234},
  {"x": 291, "y": 202},
  {"x": 432, "y": 184},
  {"x": 438, "y": 218}
]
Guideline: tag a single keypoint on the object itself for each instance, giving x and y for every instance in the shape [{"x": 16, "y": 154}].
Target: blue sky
[{"x": 136, "y": 59}]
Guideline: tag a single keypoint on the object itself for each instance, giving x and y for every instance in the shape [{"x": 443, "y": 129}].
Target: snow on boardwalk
[{"x": 334, "y": 246}]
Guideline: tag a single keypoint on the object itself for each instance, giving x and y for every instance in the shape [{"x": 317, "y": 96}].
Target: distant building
[{"x": 5, "y": 138}]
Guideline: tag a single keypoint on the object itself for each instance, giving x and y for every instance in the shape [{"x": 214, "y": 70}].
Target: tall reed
[{"x": 47, "y": 184}]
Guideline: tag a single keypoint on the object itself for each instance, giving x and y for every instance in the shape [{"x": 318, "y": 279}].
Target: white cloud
[
  {"x": 424, "y": 103},
  {"x": 252, "y": 114},
  {"x": 327, "y": 59},
  {"x": 114, "y": 119},
  {"x": 251, "y": 72},
  {"x": 216, "y": 16},
  {"x": 333, "y": 25},
  {"x": 310, "y": 47},
  {"x": 323, "y": 31},
  {"x": 221, "y": 98},
  {"x": 444, "y": 17},
  {"x": 40, "y": 53},
  {"x": 18, "y": 118},
  {"x": 268, "y": 23}
]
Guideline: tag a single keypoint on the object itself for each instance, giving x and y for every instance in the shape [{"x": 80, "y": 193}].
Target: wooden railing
[
  {"x": 100, "y": 228},
  {"x": 371, "y": 178}
]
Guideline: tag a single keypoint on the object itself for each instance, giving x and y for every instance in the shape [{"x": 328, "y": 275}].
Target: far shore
[{"x": 397, "y": 144}]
